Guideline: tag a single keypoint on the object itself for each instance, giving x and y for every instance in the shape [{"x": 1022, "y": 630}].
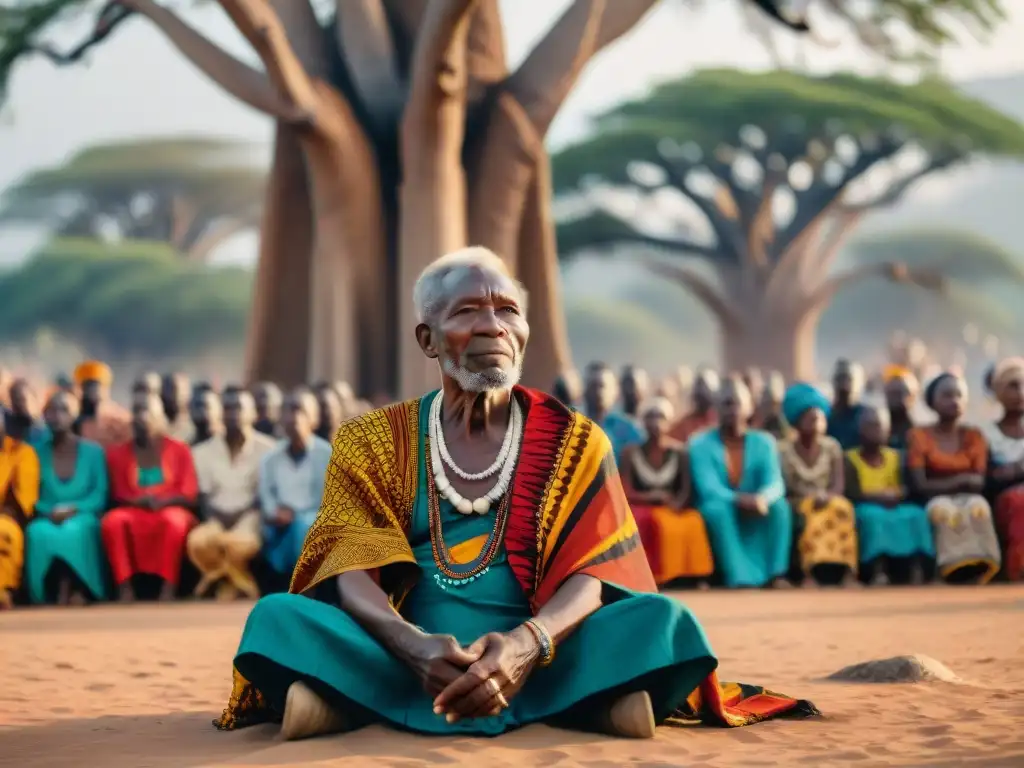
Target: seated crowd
[
  {"x": 754, "y": 485},
  {"x": 96, "y": 496}
]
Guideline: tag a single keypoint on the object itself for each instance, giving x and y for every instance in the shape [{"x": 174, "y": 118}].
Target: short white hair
[{"x": 433, "y": 286}]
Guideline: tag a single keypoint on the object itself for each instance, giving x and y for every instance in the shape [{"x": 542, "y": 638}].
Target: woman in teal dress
[
  {"x": 741, "y": 495},
  {"x": 65, "y": 530}
]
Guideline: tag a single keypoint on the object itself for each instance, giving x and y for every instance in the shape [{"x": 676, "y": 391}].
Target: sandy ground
[{"x": 136, "y": 687}]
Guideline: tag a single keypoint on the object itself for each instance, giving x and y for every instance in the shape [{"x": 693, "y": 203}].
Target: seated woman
[
  {"x": 947, "y": 463},
  {"x": 813, "y": 470},
  {"x": 901, "y": 389},
  {"x": 741, "y": 495},
  {"x": 19, "y": 490},
  {"x": 1006, "y": 463},
  {"x": 72, "y": 496},
  {"x": 153, "y": 488},
  {"x": 889, "y": 527},
  {"x": 656, "y": 478}
]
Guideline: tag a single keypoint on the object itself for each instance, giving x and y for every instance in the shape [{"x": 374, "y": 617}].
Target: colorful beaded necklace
[{"x": 454, "y": 574}]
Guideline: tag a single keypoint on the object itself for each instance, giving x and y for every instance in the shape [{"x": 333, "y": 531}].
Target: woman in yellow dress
[
  {"x": 19, "y": 491},
  {"x": 889, "y": 526},
  {"x": 656, "y": 478},
  {"x": 814, "y": 471}
]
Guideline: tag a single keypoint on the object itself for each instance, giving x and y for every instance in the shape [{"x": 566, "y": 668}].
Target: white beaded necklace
[
  {"x": 655, "y": 479},
  {"x": 496, "y": 465},
  {"x": 482, "y": 505}
]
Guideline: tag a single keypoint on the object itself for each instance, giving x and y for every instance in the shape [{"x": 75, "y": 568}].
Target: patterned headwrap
[
  {"x": 1005, "y": 371},
  {"x": 799, "y": 398},
  {"x": 93, "y": 370}
]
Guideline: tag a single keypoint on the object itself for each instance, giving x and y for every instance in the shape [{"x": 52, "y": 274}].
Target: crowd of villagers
[{"x": 735, "y": 481}]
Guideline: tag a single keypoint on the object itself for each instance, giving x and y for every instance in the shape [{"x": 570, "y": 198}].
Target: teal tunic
[
  {"x": 150, "y": 476},
  {"x": 290, "y": 637},
  {"x": 76, "y": 541}
]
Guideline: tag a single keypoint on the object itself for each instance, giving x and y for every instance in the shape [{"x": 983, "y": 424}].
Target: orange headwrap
[
  {"x": 894, "y": 371},
  {"x": 93, "y": 370}
]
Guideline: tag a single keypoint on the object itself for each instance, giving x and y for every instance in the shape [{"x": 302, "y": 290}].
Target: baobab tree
[
  {"x": 780, "y": 168},
  {"x": 400, "y": 134},
  {"x": 190, "y": 193}
]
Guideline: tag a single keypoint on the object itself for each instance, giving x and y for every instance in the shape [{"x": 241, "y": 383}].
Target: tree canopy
[
  {"x": 189, "y": 192},
  {"x": 133, "y": 297},
  {"x": 778, "y": 168}
]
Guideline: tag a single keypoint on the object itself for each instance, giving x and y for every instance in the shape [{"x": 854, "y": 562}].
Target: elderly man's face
[{"x": 481, "y": 331}]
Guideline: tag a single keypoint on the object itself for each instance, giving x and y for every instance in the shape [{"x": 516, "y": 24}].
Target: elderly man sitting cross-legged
[{"x": 475, "y": 566}]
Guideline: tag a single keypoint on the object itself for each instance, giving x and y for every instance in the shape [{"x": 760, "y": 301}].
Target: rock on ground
[{"x": 898, "y": 669}]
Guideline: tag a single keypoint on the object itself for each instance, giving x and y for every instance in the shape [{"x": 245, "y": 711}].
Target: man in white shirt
[
  {"x": 292, "y": 481},
  {"x": 227, "y": 465}
]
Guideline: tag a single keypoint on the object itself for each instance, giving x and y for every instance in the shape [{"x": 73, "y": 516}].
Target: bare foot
[
  {"x": 880, "y": 579},
  {"x": 6, "y": 600},
  {"x": 703, "y": 586},
  {"x": 166, "y": 592},
  {"x": 810, "y": 583},
  {"x": 125, "y": 593},
  {"x": 77, "y": 599},
  {"x": 850, "y": 581},
  {"x": 780, "y": 583}
]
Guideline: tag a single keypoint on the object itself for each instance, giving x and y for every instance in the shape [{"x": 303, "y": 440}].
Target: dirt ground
[{"x": 137, "y": 686}]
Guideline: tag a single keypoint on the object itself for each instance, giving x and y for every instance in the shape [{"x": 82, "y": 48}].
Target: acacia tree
[
  {"x": 401, "y": 134},
  {"x": 190, "y": 193},
  {"x": 780, "y": 168}
]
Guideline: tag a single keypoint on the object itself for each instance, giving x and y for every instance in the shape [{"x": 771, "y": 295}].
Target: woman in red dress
[{"x": 153, "y": 487}]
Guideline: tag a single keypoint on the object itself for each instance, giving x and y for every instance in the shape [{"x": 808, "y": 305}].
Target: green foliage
[
  {"x": 135, "y": 297},
  {"x": 25, "y": 26},
  {"x": 711, "y": 107},
  {"x": 214, "y": 177}
]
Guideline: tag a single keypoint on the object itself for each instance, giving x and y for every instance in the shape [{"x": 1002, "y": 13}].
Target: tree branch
[
  {"x": 364, "y": 38},
  {"x": 551, "y": 69},
  {"x": 485, "y": 49},
  {"x": 895, "y": 271},
  {"x": 724, "y": 223},
  {"x": 437, "y": 85},
  {"x": 246, "y": 84},
  {"x": 817, "y": 199},
  {"x": 262, "y": 27},
  {"x": 111, "y": 16},
  {"x": 703, "y": 289},
  {"x": 895, "y": 192}
]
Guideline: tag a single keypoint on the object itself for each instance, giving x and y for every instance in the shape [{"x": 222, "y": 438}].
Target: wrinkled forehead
[{"x": 472, "y": 283}]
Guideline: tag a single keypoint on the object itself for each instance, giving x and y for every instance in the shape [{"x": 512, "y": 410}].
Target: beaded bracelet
[{"x": 544, "y": 639}]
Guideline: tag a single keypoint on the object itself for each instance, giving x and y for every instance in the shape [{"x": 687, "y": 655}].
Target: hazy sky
[{"x": 136, "y": 84}]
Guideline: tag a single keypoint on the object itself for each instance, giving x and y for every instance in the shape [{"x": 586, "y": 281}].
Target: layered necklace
[
  {"x": 503, "y": 467},
  {"x": 453, "y": 574}
]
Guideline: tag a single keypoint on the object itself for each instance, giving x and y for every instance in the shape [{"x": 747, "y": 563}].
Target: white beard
[{"x": 491, "y": 380}]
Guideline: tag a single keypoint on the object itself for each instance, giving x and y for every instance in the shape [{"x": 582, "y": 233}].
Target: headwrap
[
  {"x": 659, "y": 404},
  {"x": 93, "y": 370},
  {"x": 933, "y": 387},
  {"x": 893, "y": 371},
  {"x": 801, "y": 397},
  {"x": 1004, "y": 372}
]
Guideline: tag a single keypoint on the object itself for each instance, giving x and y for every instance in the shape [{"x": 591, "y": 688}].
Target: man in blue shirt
[
  {"x": 844, "y": 420},
  {"x": 600, "y": 394}
]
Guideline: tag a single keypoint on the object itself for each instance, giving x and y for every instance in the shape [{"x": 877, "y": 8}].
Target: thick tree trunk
[
  {"x": 772, "y": 341},
  {"x": 548, "y": 354},
  {"x": 278, "y": 342}
]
